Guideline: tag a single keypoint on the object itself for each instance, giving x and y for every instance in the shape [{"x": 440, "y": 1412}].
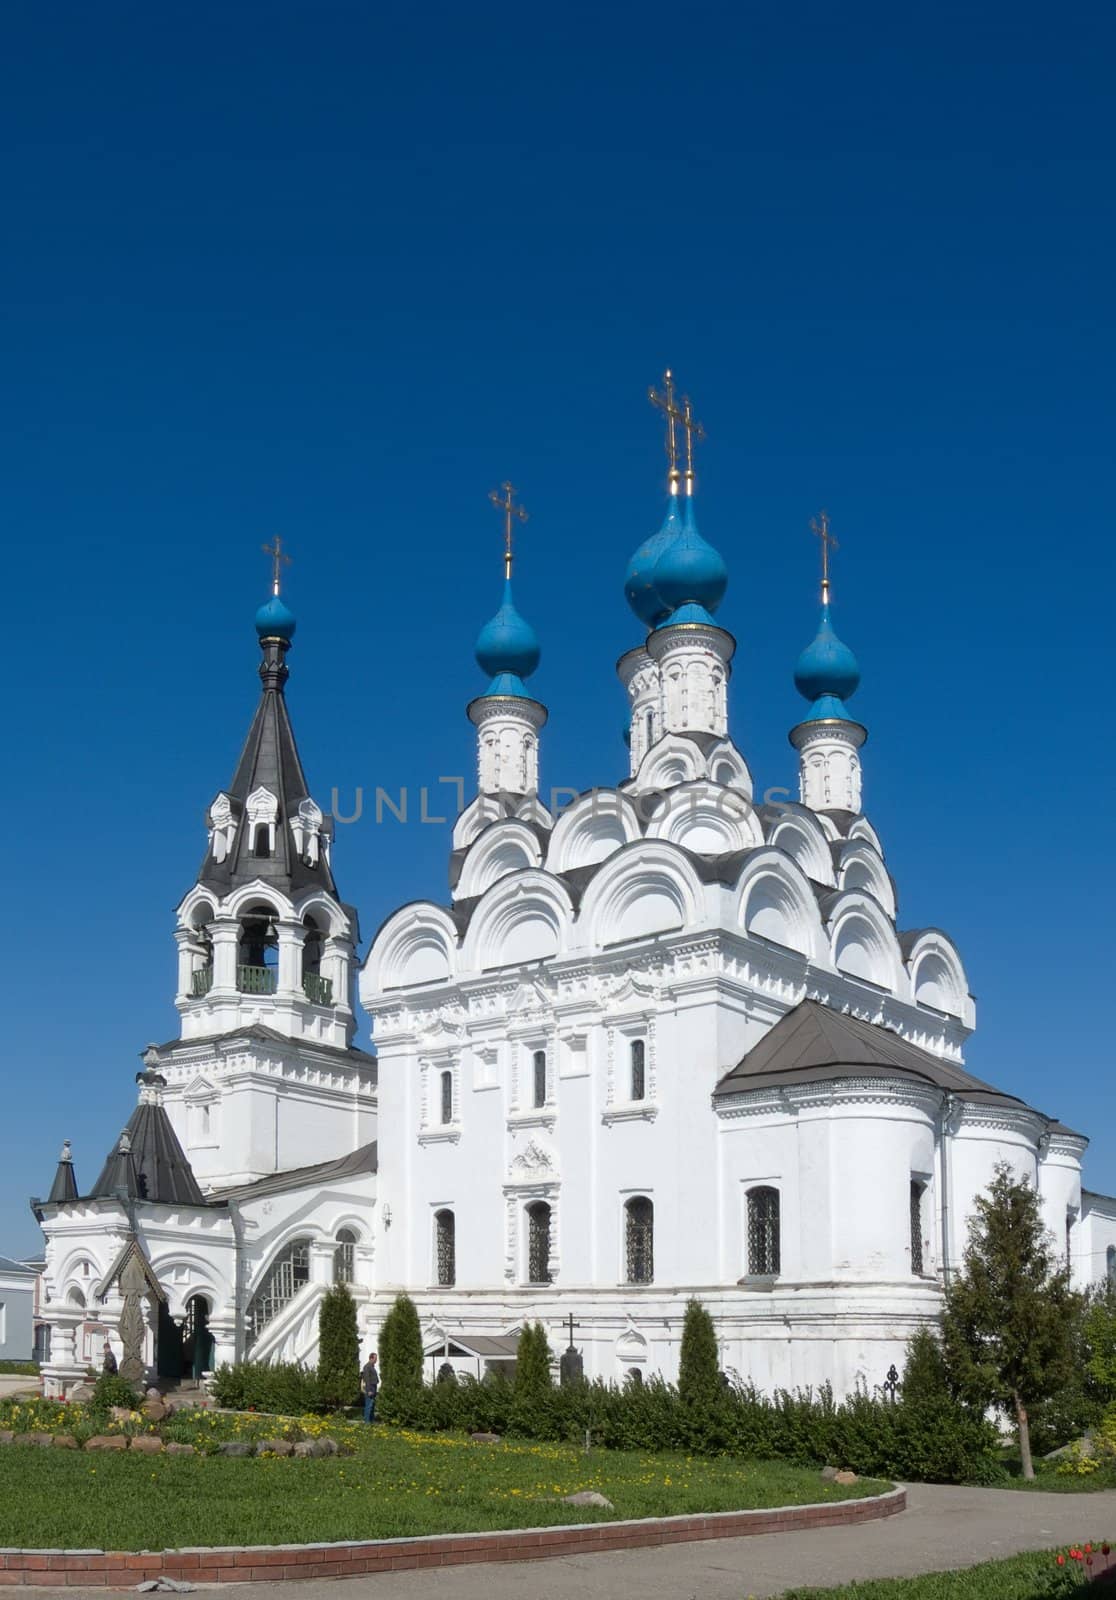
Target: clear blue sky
[{"x": 334, "y": 271}]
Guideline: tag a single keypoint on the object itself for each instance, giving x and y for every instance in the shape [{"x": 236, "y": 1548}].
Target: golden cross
[
  {"x": 507, "y": 505},
  {"x": 820, "y": 526},
  {"x": 665, "y": 403},
  {"x": 694, "y": 430},
  {"x": 278, "y": 559}
]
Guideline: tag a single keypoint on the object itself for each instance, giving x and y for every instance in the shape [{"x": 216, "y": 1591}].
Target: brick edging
[{"x": 270, "y": 1563}]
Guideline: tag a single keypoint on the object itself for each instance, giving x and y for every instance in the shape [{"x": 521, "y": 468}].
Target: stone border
[{"x": 271, "y": 1563}]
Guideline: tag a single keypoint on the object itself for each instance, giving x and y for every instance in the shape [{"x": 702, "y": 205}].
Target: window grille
[
  {"x": 288, "y": 1273},
  {"x": 538, "y": 1242},
  {"x": 445, "y": 1248},
  {"x": 539, "y": 1065},
  {"x": 447, "y": 1096},
  {"x": 763, "y": 1232},
  {"x": 639, "y": 1240},
  {"x": 344, "y": 1256},
  {"x": 916, "y": 1228},
  {"x": 639, "y": 1069}
]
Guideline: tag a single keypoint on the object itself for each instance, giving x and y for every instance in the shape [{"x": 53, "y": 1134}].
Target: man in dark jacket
[{"x": 369, "y": 1383}]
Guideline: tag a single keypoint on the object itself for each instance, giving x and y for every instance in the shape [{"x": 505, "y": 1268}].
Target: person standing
[
  {"x": 108, "y": 1361},
  {"x": 369, "y": 1384}
]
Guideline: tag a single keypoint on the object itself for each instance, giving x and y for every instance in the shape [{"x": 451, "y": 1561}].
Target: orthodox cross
[
  {"x": 278, "y": 560},
  {"x": 820, "y": 526},
  {"x": 694, "y": 430},
  {"x": 507, "y": 505},
  {"x": 665, "y": 403}
]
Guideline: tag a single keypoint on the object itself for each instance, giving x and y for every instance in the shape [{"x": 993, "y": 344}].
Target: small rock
[
  {"x": 147, "y": 1444},
  {"x": 588, "y": 1497},
  {"x": 151, "y": 1393},
  {"x": 275, "y": 1447},
  {"x": 165, "y": 1586},
  {"x": 311, "y": 1447},
  {"x": 155, "y": 1411},
  {"x": 107, "y": 1441},
  {"x": 234, "y": 1447},
  {"x": 80, "y": 1392},
  {"x": 121, "y": 1413},
  {"x": 179, "y": 1449},
  {"x": 330, "y": 1447},
  {"x": 845, "y": 1476},
  {"x": 829, "y": 1473},
  {"x": 485, "y": 1438},
  {"x": 64, "y": 1441}
]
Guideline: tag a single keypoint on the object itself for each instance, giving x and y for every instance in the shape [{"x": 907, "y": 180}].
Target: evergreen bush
[
  {"x": 402, "y": 1394},
  {"x": 284, "y": 1387},
  {"x": 699, "y": 1367},
  {"x": 111, "y": 1389},
  {"x": 338, "y": 1349}
]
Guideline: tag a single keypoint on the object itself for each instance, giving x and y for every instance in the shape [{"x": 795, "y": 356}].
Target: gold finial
[
  {"x": 278, "y": 560},
  {"x": 665, "y": 403},
  {"x": 506, "y": 504},
  {"x": 694, "y": 430},
  {"x": 820, "y": 526}
]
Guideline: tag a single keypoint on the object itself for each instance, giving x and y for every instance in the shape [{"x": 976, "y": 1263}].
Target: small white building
[
  {"x": 672, "y": 1041},
  {"x": 17, "y": 1310}
]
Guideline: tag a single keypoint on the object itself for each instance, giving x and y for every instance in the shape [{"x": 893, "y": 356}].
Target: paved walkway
[{"x": 942, "y": 1527}]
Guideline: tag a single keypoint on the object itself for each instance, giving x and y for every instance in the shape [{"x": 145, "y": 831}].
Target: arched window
[
  {"x": 634, "y": 1377},
  {"x": 538, "y": 1242},
  {"x": 262, "y": 845},
  {"x": 1110, "y": 1262},
  {"x": 916, "y": 1226},
  {"x": 648, "y": 730},
  {"x": 763, "y": 1232},
  {"x": 344, "y": 1256},
  {"x": 639, "y": 1069},
  {"x": 446, "y": 1090},
  {"x": 639, "y": 1240},
  {"x": 257, "y": 959},
  {"x": 445, "y": 1249},
  {"x": 539, "y": 1079},
  {"x": 287, "y": 1274}
]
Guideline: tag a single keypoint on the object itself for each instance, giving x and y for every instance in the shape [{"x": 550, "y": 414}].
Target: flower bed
[{"x": 193, "y": 1431}]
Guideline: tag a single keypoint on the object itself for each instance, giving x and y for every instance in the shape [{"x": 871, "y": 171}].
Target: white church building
[{"x": 672, "y": 1042}]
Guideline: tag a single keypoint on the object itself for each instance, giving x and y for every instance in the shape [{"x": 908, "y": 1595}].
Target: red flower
[
  {"x": 1088, "y": 1548},
  {"x": 1061, "y": 1560}
]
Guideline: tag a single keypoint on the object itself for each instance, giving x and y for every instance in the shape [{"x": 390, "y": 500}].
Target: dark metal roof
[
  {"x": 64, "y": 1187},
  {"x": 270, "y": 760},
  {"x": 813, "y": 1043},
  {"x": 362, "y": 1159},
  {"x": 259, "y": 1030},
  {"x": 148, "y": 1163}
]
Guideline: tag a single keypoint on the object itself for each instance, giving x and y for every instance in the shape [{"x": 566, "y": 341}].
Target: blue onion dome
[
  {"x": 639, "y": 590},
  {"x": 507, "y": 646},
  {"x": 689, "y": 570},
  {"x": 274, "y": 620},
  {"x": 827, "y": 671}
]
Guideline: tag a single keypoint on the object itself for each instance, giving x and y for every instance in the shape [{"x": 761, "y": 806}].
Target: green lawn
[
  {"x": 398, "y": 1483},
  {"x": 1019, "y": 1578}
]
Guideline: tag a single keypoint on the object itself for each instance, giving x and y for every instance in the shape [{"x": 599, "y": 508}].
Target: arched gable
[
  {"x": 799, "y": 834},
  {"x": 417, "y": 945},
  {"x": 863, "y": 829},
  {"x": 256, "y": 893},
  {"x": 671, "y": 761},
  {"x": 863, "y": 942},
  {"x": 706, "y": 818},
  {"x": 526, "y": 917},
  {"x": 593, "y": 827},
  {"x": 774, "y": 901},
  {"x": 197, "y": 907},
  {"x": 486, "y": 809},
  {"x": 938, "y": 977},
  {"x": 503, "y": 847},
  {"x": 861, "y": 867},
  {"x": 326, "y": 913},
  {"x": 648, "y": 887},
  {"x": 725, "y": 765}
]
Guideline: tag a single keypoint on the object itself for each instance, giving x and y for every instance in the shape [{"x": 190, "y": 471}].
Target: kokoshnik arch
[{"x": 671, "y": 1042}]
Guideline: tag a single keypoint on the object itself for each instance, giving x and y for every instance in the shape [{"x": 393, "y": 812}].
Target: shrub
[
  {"x": 699, "y": 1374},
  {"x": 338, "y": 1348},
  {"x": 401, "y": 1362},
  {"x": 111, "y": 1389},
  {"x": 924, "y": 1375},
  {"x": 284, "y": 1387}
]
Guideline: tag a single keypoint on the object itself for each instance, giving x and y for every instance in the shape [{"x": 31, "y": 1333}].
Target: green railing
[
  {"x": 256, "y": 980},
  {"x": 201, "y": 982},
  {"x": 317, "y": 989}
]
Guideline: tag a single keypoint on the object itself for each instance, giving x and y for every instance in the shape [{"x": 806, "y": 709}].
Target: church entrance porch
[{"x": 197, "y": 1341}]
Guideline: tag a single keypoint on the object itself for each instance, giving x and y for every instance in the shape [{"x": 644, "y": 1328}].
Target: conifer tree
[
  {"x": 925, "y": 1377},
  {"x": 532, "y": 1362},
  {"x": 401, "y": 1350},
  {"x": 1007, "y": 1328},
  {"x": 338, "y": 1348},
  {"x": 699, "y": 1372}
]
